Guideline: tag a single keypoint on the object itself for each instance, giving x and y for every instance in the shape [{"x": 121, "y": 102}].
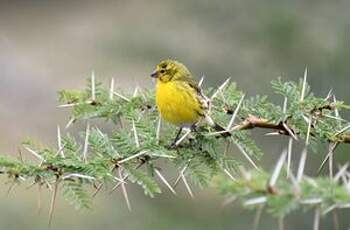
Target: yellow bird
[{"x": 179, "y": 98}]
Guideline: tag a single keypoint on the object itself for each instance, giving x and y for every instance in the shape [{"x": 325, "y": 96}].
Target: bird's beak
[{"x": 154, "y": 74}]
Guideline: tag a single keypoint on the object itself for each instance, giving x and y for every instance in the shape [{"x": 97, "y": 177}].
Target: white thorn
[
  {"x": 228, "y": 201},
  {"x": 247, "y": 156},
  {"x": 235, "y": 113},
  {"x": 331, "y": 149},
  {"x": 330, "y": 162},
  {"x": 220, "y": 88},
  {"x": 137, "y": 142},
  {"x": 111, "y": 89},
  {"x": 341, "y": 171},
  {"x": 336, "y": 112},
  {"x": 200, "y": 83},
  {"x": 53, "y": 201},
  {"x": 272, "y": 134},
  {"x": 133, "y": 156},
  {"x": 342, "y": 130},
  {"x": 330, "y": 208},
  {"x": 135, "y": 91},
  {"x": 121, "y": 96},
  {"x": 278, "y": 168},
  {"x": 294, "y": 182},
  {"x": 59, "y": 141},
  {"x": 257, "y": 218},
  {"x": 79, "y": 176},
  {"x": 70, "y": 122},
  {"x": 317, "y": 219},
  {"x": 289, "y": 157},
  {"x": 68, "y": 105},
  {"x": 187, "y": 185},
  {"x": 347, "y": 205},
  {"x": 328, "y": 95},
  {"x": 93, "y": 91},
  {"x": 159, "y": 125},
  {"x": 307, "y": 141},
  {"x": 119, "y": 180},
  {"x": 285, "y": 104},
  {"x": 188, "y": 131},
  {"x": 255, "y": 201},
  {"x": 304, "y": 86},
  {"x": 302, "y": 164},
  {"x": 181, "y": 172},
  {"x": 86, "y": 143},
  {"x": 333, "y": 117},
  {"x": 229, "y": 175},
  {"x": 311, "y": 201},
  {"x": 290, "y": 132},
  {"x": 35, "y": 154},
  {"x": 165, "y": 181},
  {"x": 125, "y": 193},
  {"x": 163, "y": 155},
  {"x": 280, "y": 223}
]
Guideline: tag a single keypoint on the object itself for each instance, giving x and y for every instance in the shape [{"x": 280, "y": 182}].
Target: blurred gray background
[{"x": 46, "y": 46}]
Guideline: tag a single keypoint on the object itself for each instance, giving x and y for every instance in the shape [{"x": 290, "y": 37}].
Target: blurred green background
[{"x": 49, "y": 45}]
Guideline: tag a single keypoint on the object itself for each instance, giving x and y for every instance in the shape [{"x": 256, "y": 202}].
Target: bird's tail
[{"x": 217, "y": 127}]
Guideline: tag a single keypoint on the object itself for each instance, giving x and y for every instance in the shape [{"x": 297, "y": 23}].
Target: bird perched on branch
[{"x": 179, "y": 99}]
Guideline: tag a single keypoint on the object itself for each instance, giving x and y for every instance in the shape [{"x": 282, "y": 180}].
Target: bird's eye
[{"x": 162, "y": 71}]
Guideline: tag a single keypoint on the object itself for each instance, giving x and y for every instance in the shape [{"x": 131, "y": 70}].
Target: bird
[{"x": 179, "y": 99}]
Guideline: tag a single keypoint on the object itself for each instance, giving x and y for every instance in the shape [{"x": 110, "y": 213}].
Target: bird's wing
[{"x": 203, "y": 100}]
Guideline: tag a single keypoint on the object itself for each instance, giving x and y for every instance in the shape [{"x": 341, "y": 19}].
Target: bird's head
[{"x": 170, "y": 70}]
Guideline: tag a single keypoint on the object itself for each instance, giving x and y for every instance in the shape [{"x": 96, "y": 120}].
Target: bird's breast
[{"x": 177, "y": 103}]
